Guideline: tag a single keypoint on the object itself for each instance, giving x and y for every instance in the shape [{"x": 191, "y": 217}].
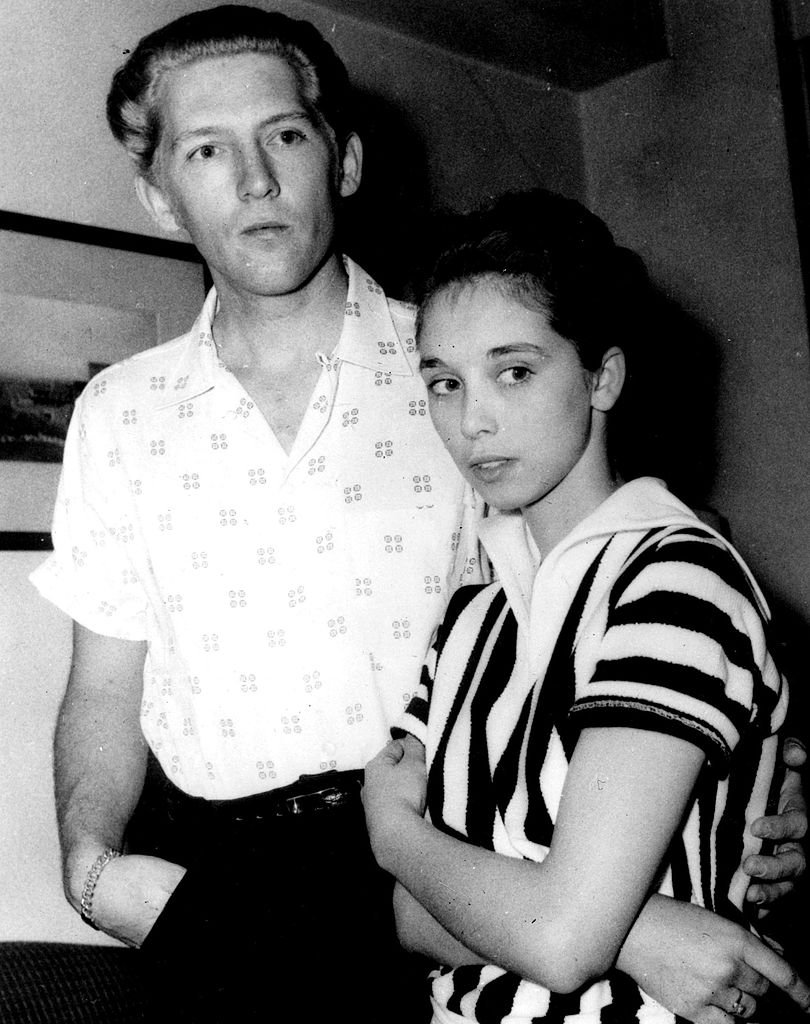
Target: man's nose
[{"x": 257, "y": 177}]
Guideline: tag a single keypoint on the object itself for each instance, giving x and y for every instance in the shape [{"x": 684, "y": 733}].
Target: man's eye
[
  {"x": 290, "y": 137},
  {"x": 204, "y": 152}
]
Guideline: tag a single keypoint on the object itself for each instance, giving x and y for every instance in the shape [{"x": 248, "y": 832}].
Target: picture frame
[
  {"x": 74, "y": 298},
  {"x": 34, "y": 417}
]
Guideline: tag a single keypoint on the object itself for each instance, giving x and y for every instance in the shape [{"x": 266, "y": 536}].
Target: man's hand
[
  {"x": 395, "y": 785},
  {"x": 776, "y": 875},
  {"x": 130, "y": 894}
]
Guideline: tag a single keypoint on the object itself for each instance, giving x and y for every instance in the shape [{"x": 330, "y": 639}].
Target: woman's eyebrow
[
  {"x": 430, "y": 362},
  {"x": 517, "y": 347}
]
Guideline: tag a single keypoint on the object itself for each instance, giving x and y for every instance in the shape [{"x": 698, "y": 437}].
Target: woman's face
[{"x": 509, "y": 398}]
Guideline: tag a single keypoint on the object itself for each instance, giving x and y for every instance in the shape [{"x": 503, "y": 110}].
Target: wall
[
  {"x": 687, "y": 162},
  {"x": 35, "y": 641}
]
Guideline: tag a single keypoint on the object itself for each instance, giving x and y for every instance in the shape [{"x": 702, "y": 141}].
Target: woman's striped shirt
[{"x": 644, "y": 618}]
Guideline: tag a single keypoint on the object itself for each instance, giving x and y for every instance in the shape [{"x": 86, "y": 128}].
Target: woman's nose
[{"x": 477, "y": 417}]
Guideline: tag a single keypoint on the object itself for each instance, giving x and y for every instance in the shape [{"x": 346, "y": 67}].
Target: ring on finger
[{"x": 740, "y": 1007}]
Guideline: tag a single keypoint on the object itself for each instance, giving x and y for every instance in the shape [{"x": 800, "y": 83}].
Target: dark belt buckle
[{"x": 323, "y": 791}]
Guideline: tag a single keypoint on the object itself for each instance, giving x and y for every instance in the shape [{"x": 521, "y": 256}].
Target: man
[{"x": 256, "y": 533}]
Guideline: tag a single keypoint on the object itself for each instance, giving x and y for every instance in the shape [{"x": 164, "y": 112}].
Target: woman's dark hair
[
  {"x": 132, "y": 109},
  {"x": 553, "y": 255}
]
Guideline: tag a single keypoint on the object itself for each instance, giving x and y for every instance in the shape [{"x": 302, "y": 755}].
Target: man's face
[{"x": 246, "y": 171}]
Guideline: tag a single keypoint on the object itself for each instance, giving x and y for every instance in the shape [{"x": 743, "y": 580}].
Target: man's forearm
[
  {"x": 99, "y": 752},
  {"x": 98, "y": 780},
  {"x": 99, "y": 771}
]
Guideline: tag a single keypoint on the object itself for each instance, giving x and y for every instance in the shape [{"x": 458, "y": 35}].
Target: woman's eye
[
  {"x": 443, "y": 386},
  {"x": 514, "y": 375}
]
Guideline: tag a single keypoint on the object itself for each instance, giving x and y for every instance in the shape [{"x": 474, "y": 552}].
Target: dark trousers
[{"x": 278, "y": 919}]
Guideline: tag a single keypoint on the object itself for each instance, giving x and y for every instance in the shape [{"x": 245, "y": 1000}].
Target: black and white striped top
[{"x": 644, "y": 618}]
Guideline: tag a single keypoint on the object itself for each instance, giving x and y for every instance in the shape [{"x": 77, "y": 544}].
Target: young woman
[{"x": 598, "y": 725}]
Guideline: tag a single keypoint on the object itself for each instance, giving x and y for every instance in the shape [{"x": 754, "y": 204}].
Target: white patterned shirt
[{"x": 287, "y": 600}]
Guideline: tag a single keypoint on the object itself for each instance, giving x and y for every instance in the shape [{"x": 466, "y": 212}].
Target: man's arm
[{"x": 99, "y": 765}]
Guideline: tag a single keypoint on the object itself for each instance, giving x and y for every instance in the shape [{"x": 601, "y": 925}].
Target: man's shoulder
[
  {"x": 148, "y": 375},
  {"x": 148, "y": 360},
  {"x": 403, "y": 317}
]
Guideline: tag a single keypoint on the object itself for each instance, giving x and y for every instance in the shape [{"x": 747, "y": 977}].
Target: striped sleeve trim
[
  {"x": 684, "y": 644},
  {"x": 699, "y": 692},
  {"x": 636, "y": 713}
]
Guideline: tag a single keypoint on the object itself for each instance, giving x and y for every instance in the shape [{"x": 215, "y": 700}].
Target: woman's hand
[
  {"x": 703, "y": 967},
  {"x": 395, "y": 790}
]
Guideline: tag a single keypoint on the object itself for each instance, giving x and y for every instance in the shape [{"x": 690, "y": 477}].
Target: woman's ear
[{"x": 608, "y": 380}]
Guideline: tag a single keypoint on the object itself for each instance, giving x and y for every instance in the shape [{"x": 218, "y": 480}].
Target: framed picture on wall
[
  {"x": 34, "y": 417},
  {"x": 73, "y": 299}
]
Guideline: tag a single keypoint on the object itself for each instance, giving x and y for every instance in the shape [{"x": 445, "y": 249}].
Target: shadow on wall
[
  {"x": 667, "y": 425},
  {"x": 383, "y": 224}
]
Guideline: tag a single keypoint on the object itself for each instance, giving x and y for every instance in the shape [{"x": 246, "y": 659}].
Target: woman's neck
[{"x": 551, "y": 519}]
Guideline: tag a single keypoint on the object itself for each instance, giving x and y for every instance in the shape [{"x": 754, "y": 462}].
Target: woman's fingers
[{"x": 776, "y": 970}]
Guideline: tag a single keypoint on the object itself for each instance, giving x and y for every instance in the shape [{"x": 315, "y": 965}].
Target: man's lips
[{"x": 264, "y": 227}]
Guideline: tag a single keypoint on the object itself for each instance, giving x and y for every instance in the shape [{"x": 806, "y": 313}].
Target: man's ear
[
  {"x": 351, "y": 166},
  {"x": 154, "y": 201},
  {"x": 608, "y": 380}
]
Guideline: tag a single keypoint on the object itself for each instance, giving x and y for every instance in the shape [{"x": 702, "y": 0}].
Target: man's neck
[{"x": 278, "y": 333}]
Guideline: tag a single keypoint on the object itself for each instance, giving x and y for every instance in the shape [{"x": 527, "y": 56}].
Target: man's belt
[{"x": 310, "y": 794}]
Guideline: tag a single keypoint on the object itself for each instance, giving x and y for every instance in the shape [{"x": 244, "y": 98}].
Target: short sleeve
[
  {"x": 92, "y": 574},
  {"x": 683, "y": 650}
]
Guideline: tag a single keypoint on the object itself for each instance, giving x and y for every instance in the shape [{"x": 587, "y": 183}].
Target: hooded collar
[{"x": 636, "y": 507}]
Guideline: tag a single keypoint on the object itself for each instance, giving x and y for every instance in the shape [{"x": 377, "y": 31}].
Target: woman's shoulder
[{"x": 675, "y": 555}]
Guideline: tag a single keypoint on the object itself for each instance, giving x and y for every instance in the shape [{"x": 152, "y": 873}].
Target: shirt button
[{"x": 330, "y": 749}]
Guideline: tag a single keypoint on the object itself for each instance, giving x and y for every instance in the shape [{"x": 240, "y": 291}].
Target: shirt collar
[
  {"x": 197, "y": 365},
  {"x": 368, "y": 339}
]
